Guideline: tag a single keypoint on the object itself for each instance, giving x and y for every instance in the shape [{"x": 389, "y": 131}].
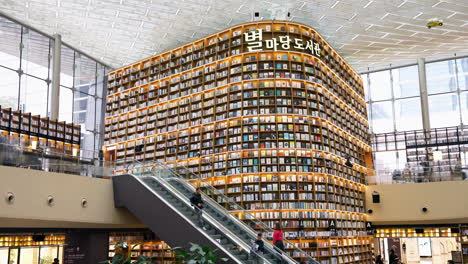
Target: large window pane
[
  {"x": 48, "y": 254},
  {"x": 443, "y": 110},
  {"x": 34, "y": 94},
  {"x": 365, "y": 84},
  {"x": 408, "y": 114},
  {"x": 101, "y": 78},
  {"x": 380, "y": 88},
  {"x": 67, "y": 57},
  {"x": 441, "y": 77},
  {"x": 462, "y": 67},
  {"x": 66, "y": 105},
  {"x": 382, "y": 117},
  {"x": 10, "y": 43},
  {"x": 85, "y": 74},
  {"x": 29, "y": 255},
  {"x": 9, "y": 87},
  {"x": 87, "y": 145},
  {"x": 405, "y": 82},
  {"x": 464, "y": 107},
  {"x": 84, "y": 112},
  {"x": 3, "y": 255},
  {"x": 35, "y": 59},
  {"x": 99, "y": 116}
]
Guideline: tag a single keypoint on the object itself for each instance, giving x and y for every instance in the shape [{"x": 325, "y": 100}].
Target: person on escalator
[
  {"x": 278, "y": 241},
  {"x": 197, "y": 203},
  {"x": 257, "y": 250}
]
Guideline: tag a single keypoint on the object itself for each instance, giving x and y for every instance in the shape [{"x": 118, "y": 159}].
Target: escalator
[{"x": 159, "y": 197}]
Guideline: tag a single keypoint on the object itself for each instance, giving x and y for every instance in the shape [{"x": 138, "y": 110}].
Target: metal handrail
[
  {"x": 246, "y": 212},
  {"x": 209, "y": 218},
  {"x": 223, "y": 210}
]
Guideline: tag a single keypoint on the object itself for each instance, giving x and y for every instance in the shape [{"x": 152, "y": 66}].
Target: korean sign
[{"x": 254, "y": 41}]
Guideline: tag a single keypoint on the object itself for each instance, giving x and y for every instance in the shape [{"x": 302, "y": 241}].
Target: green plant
[
  {"x": 197, "y": 255},
  {"x": 123, "y": 256}
]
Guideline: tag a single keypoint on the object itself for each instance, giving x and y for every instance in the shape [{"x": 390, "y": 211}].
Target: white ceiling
[{"x": 367, "y": 33}]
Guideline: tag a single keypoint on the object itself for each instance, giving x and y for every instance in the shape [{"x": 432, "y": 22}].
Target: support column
[
  {"x": 424, "y": 96},
  {"x": 55, "y": 91}
]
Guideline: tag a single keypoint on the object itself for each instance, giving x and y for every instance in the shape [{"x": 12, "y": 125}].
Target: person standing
[
  {"x": 393, "y": 258},
  {"x": 379, "y": 260},
  {"x": 56, "y": 261},
  {"x": 258, "y": 249},
  {"x": 197, "y": 203},
  {"x": 278, "y": 241}
]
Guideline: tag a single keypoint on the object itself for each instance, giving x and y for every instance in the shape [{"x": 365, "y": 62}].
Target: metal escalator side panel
[{"x": 160, "y": 216}]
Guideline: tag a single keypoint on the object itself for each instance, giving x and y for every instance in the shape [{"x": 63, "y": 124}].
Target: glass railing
[
  {"x": 47, "y": 159},
  {"x": 249, "y": 223},
  {"x": 419, "y": 174},
  {"x": 418, "y": 156}
]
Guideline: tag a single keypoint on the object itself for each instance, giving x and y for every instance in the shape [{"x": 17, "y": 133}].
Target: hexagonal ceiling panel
[{"x": 369, "y": 34}]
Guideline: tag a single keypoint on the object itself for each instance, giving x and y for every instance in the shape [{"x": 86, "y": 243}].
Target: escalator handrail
[
  {"x": 151, "y": 166},
  {"x": 248, "y": 230},
  {"x": 205, "y": 216},
  {"x": 186, "y": 219},
  {"x": 252, "y": 217}
]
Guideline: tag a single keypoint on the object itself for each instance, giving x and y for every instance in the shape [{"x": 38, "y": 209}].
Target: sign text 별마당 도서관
[{"x": 254, "y": 41}]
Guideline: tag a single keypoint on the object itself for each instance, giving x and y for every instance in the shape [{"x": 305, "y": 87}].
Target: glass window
[
  {"x": 35, "y": 59},
  {"x": 10, "y": 33},
  {"x": 29, "y": 255},
  {"x": 34, "y": 95},
  {"x": 3, "y": 255},
  {"x": 464, "y": 107},
  {"x": 84, "y": 112},
  {"x": 14, "y": 254},
  {"x": 101, "y": 78},
  {"x": 99, "y": 116},
  {"x": 9, "y": 86},
  {"x": 365, "y": 84},
  {"x": 85, "y": 74},
  {"x": 67, "y": 57},
  {"x": 405, "y": 82},
  {"x": 66, "y": 105},
  {"x": 408, "y": 114},
  {"x": 382, "y": 117},
  {"x": 441, "y": 77},
  {"x": 380, "y": 88},
  {"x": 48, "y": 254},
  {"x": 443, "y": 110},
  {"x": 462, "y": 68},
  {"x": 87, "y": 144}
]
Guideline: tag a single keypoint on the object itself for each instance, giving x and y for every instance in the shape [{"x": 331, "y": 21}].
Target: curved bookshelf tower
[{"x": 268, "y": 113}]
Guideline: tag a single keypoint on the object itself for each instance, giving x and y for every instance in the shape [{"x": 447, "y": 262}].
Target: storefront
[
  {"x": 435, "y": 245},
  {"x": 31, "y": 248}
]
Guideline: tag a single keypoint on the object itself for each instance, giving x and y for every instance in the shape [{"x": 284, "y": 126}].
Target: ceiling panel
[{"x": 369, "y": 34}]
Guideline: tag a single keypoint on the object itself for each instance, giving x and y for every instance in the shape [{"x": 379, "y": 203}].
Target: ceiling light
[
  {"x": 370, "y": 2},
  {"x": 404, "y": 2},
  {"x": 416, "y": 16},
  {"x": 333, "y": 6},
  {"x": 384, "y": 16}
]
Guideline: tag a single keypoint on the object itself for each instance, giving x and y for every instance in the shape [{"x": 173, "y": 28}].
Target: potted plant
[{"x": 197, "y": 255}]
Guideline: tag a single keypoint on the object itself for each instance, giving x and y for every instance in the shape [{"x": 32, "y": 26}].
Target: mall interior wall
[
  {"x": 30, "y": 207},
  {"x": 402, "y": 204}
]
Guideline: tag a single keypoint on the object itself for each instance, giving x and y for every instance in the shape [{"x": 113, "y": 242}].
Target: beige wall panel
[{"x": 30, "y": 208}]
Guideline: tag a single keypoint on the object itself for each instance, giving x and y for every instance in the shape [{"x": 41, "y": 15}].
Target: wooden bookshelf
[
  {"x": 21, "y": 128},
  {"x": 272, "y": 129},
  {"x": 142, "y": 245}
]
